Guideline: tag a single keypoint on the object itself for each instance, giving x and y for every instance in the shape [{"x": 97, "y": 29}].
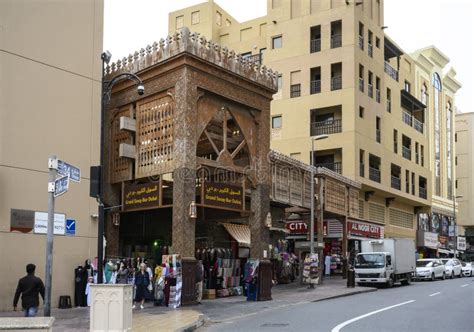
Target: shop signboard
[
  {"x": 222, "y": 195},
  {"x": 461, "y": 243},
  {"x": 430, "y": 240},
  {"x": 41, "y": 223},
  {"x": 140, "y": 196},
  {"x": 362, "y": 229},
  {"x": 297, "y": 227}
]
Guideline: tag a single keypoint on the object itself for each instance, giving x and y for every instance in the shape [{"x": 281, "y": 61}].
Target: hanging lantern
[{"x": 192, "y": 210}]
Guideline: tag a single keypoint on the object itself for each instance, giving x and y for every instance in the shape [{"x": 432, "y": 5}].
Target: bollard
[{"x": 351, "y": 278}]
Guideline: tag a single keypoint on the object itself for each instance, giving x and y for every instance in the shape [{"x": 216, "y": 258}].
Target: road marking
[
  {"x": 434, "y": 294},
  {"x": 347, "y": 322},
  {"x": 465, "y": 285}
]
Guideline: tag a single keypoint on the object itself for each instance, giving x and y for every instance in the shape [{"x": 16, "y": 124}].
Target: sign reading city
[
  {"x": 296, "y": 227},
  {"x": 66, "y": 169},
  {"x": 223, "y": 195},
  {"x": 61, "y": 185},
  {"x": 364, "y": 230},
  {"x": 139, "y": 196}
]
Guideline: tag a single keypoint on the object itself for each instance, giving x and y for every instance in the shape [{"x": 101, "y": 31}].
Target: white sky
[{"x": 132, "y": 24}]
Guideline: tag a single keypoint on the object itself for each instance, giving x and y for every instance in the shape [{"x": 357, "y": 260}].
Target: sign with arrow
[{"x": 66, "y": 169}]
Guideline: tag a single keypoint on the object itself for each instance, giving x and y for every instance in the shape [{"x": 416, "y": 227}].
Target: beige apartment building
[
  {"x": 342, "y": 76},
  {"x": 49, "y": 105}
]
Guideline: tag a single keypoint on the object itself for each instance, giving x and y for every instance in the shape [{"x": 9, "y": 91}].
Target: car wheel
[
  {"x": 444, "y": 276},
  {"x": 432, "y": 276},
  {"x": 471, "y": 274},
  {"x": 452, "y": 275},
  {"x": 390, "y": 282},
  {"x": 407, "y": 281}
]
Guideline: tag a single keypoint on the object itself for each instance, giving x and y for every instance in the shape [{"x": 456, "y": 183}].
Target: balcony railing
[
  {"x": 370, "y": 50},
  {"x": 295, "y": 90},
  {"x": 407, "y": 118},
  {"x": 326, "y": 127},
  {"x": 336, "y": 40},
  {"x": 361, "y": 84},
  {"x": 370, "y": 90},
  {"x": 422, "y": 192},
  {"x": 377, "y": 95},
  {"x": 336, "y": 83},
  {"x": 392, "y": 72},
  {"x": 396, "y": 183},
  {"x": 315, "y": 86},
  {"x": 374, "y": 174},
  {"x": 361, "y": 42},
  {"x": 362, "y": 169},
  {"x": 315, "y": 45},
  {"x": 257, "y": 58},
  {"x": 389, "y": 106},
  {"x": 378, "y": 135},
  {"x": 418, "y": 125},
  {"x": 406, "y": 152},
  {"x": 336, "y": 167},
  {"x": 413, "y": 122}
]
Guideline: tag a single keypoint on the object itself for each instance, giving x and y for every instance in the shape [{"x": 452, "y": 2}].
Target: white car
[
  {"x": 453, "y": 267},
  {"x": 467, "y": 269},
  {"x": 429, "y": 269}
]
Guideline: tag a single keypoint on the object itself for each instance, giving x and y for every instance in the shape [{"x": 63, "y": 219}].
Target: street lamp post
[
  {"x": 106, "y": 90},
  {"x": 311, "y": 231}
]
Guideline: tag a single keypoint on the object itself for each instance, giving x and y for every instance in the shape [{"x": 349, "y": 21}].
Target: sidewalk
[{"x": 213, "y": 311}]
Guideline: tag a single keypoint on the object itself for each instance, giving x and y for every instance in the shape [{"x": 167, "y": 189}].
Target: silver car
[
  {"x": 453, "y": 267},
  {"x": 429, "y": 269},
  {"x": 467, "y": 269}
]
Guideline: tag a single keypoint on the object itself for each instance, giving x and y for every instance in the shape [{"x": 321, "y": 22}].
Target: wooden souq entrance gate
[{"x": 198, "y": 138}]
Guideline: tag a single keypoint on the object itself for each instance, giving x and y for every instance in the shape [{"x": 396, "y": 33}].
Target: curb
[
  {"x": 193, "y": 326},
  {"x": 346, "y": 294}
]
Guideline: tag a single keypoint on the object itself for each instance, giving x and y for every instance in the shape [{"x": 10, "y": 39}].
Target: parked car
[
  {"x": 467, "y": 269},
  {"x": 430, "y": 269},
  {"x": 453, "y": 267}
]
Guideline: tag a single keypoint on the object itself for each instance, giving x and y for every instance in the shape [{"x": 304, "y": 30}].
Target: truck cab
[{"x": 373, "y": 267}]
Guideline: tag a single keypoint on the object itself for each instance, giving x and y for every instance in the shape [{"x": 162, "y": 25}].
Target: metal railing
[
  {"x": 315, "y": 45},
  {"x": 362, "y": 169},
  {"x": 257, "y": 58},
  {"x": 389, "y": 106},
  {"x": 295, "y": 90},
  {"x": 413, "y": 122},
  {"x": 396, "y": 183},
  {"x": 406, "y": 152},
  {"x": 407, "y": 118},
  {"x": 374, "y": 174},
  {"x": 315, "y": 86},
  {"x": 418, "y": 125},
  {"x": 336, "y": 83},
  {"x": 370, "y": 90},
  {"x": 377, "y": 95},
  {"x": 336, "y": 40},
  {"x": 370, "y": 50},
  {"x": 422, "y": 192},
  {"x": 336, "y": 166},
  {"x": 326, "y": 127},
  {"x": 378, "y": 135},
  {"x": 361, "y": 42},
  {"x": 361, "y": 84},
  {"x": 392, "y": 72}
]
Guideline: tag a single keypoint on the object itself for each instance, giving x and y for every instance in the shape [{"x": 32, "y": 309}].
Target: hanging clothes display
[{"x": 80, "y": 282}]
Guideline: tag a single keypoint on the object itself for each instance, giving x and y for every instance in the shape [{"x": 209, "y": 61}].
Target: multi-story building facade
[
  {"x": 464, "y": 183},
  {"x": 49, "y": 105},
  {"x": 341, "y": 76}
]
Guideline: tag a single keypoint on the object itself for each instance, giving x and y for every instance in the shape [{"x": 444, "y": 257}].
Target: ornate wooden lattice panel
[
  {"x": 334, "y": 197},
  {"x": 154, "y": 138},
  {"x": 353, "y": 203},
  {"x": 120, "y": 167},
  {"x": 296, "y": 187},
  {"x": 280, "y": 183}
]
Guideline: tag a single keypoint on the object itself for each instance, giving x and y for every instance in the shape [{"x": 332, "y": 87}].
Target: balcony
[
  {"x": 418, "y": 125},
  {"x": 336, "y": 166},
  {"x": 361, "y": 42},
  {"x": 370, "y": 50},
  {"x": 407, "y": 118},
  {"x": 422, "y": 192},
  {"x": 336, "y": 83},
  {"x": 406, "y": 152},
  {"x": 377, "y": 95},
  {"x": 413, "y": 122},
  {"x": 295, "y": 90},
  {"x": 392, "y": 72},
  {"x": 374, "y": 174},
  {"x": 362, "y": 169},
  {"x": 336, "y": 41},
  {"x": 370, "y": 90},
  {"x": 396, "y": 183},
  {"x": 315, "y": 86},
  {"x": 326, "y": 127},
  {"x": 361, "y": 84},
  {"x": 315, "y": 45}
]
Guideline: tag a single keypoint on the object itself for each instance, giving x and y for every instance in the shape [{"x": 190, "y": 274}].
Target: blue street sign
[
  {"x": 71, "y": 227},
  {"x": 67, "y": 169},
  {"x": 61, "y": 185}
]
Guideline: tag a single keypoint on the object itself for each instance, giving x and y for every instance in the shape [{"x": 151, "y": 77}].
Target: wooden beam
[
  {"x": 238, "y": 148},
  {"x": 211, "y": 141}
]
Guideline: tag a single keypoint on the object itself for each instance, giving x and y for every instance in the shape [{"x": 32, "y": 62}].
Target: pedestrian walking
[
  {"x": 142, "y": 280},
  {"x": 29, "y": 287}
]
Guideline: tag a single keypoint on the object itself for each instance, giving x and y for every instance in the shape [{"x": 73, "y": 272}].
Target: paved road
[{"x": 423, "y": 306}]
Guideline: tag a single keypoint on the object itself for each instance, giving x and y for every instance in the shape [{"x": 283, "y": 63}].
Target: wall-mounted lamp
[
  {"x": 116, "y": 219},
  {"x": 192, "y": 210}
]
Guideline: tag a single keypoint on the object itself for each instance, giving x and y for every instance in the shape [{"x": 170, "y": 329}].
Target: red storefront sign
[
  {"x": 364, "y": 230},
  {"x": 298, "y": 227}
]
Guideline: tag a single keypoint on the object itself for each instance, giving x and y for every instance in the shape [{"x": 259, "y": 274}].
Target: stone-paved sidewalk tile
[{"x": 177, "y": 320}]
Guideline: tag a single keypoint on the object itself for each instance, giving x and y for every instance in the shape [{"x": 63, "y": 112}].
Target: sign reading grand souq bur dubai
[
  {"x": 139, "y": 196},
  {"x": 223, "y": 195}
]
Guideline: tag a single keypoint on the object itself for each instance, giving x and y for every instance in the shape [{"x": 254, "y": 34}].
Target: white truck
[{"x": 385, "y": 261}]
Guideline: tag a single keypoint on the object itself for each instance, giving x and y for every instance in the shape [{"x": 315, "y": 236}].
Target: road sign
[
  {"x": 61, "y": 185},
  {"x": 41, "y": 223},
  {"x": 67, "y": 169},
  {"x": 71, "y": 227}
]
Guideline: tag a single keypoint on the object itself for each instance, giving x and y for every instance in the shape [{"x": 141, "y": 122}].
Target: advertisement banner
[
  {"x": 430, "y": 240},
  {"x": 362, "y": 229}
]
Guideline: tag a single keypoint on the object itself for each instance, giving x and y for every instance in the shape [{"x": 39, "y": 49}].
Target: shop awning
[{"x": 241, "y": 233}]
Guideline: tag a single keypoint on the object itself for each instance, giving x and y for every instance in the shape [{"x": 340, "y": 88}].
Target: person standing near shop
[
  {"x": 142, "y": 280},
  {"x": 29, "y": 287}
]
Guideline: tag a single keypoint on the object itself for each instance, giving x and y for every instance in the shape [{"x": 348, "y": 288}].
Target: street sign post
[
  {"x": 61, "y": 186},
  {"x": 66, "y": 169}
]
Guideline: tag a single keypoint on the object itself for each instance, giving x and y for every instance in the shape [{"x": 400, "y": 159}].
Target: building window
[
  {"x": 295, "y": 90},
  {"x": 179, "y": 22},
  {"x": 413, "y": 183},
  {"x": 407, "y": 86},
  {"x": 370, "y": 48},
  {"x": 422, "y": 155},
  {"x": 315, "y": 80},
  {"x": 361, "y": 112},
  {"x": 361, "y": 35},
  {"x": 277, "y": 42},
  {"x": 361, "y": 78},
  {"x": 195, "y": 17},
  {"x": 407, "y": 181},
  {"x": 378, "y": 129},
  {"x": 228, "y": 23},
  {"x": 371, "y": 85},
  {"x": 315, "y": 39},
  {"x": 336, "y": 34},
  {"x": 377, "y": 42},
  {"x": 456, "y": 137},
  {"x": 417, "y": 156},
  {"x": 389, "y": 100},
  {"x": 279, "y": 82},
  {"x": 449, "y": 154},
  {"x": 395, "y": 141},
  {"x": 218, "y": 18},
  {"x": 276, "y": 121},
  {"x": 361, "y": 163},
  {"x": 377, "y": 89}
]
